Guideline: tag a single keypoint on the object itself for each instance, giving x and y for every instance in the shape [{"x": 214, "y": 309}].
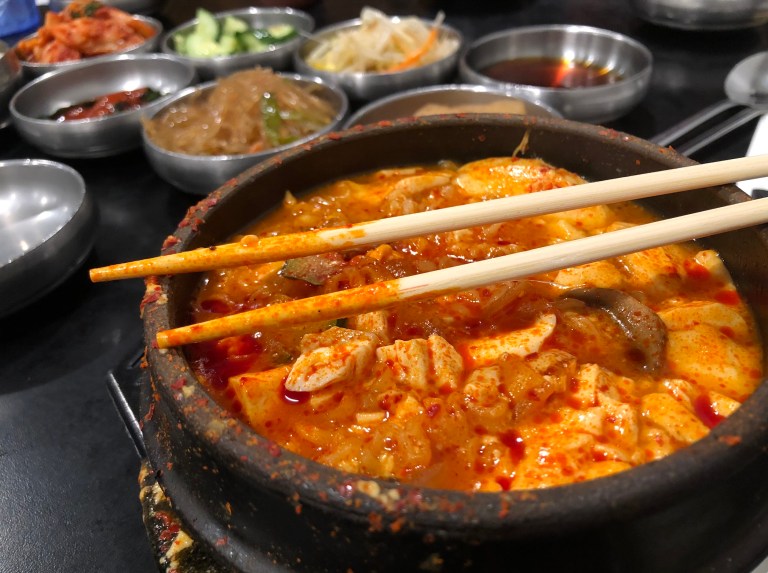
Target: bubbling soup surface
[{"x": 511, "y": 386}]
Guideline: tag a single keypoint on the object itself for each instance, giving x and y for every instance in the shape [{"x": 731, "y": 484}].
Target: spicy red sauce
[{"x": 107, "y": 105}]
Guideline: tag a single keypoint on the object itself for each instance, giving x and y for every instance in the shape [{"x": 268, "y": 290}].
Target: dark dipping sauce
[
  {"x": 106, "y": 105},
  {"x": 551, "y": 73}
]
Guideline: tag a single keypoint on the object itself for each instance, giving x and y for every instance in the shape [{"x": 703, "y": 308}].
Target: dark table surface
[{"x": 68, "y": 470}]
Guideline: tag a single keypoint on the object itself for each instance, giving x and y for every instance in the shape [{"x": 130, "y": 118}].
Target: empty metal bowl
[
  {"x": 452, "y": 98},
  {"x": 10, "y": 79},
  {"x": 34, "y": 70},
  {"x": 623, "y": 64},
  {"x": 130, "y": 6},
  {"x": 364, "y": 86},
  {"x": 279, "y": 57},
  {"x": 201, "y": 174},
  {"x": 49, "y": 221},
  {"x": 102, "y": 136},
  {"x": 703, "y": 14}
]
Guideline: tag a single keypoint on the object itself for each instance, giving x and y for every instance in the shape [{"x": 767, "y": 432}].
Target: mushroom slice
[
  {"x": 643, "y": 327},
  {"x": 314, "y": 269}
]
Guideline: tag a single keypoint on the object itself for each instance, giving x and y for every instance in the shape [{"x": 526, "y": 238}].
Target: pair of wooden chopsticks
[{"x": 510, "y": 267}]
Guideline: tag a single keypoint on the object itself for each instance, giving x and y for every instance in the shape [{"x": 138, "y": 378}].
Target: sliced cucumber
[
  {"x": 211, "y": 37},
  {"x": 180, "y": 43},
  {"x": 250, "y": 42},
  {"x": 207, "y": 25},
  {"x": 281, "y": 32},
  {"x": 201, "y": 47},
  {"x": 233, "y": 26},
  {"x": 229, "y": 45}
]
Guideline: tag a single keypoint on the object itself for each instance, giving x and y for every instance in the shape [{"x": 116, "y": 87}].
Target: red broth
[{"x": 506, "y": 387}]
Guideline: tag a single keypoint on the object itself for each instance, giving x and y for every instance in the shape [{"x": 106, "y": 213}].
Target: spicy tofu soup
[{"x": 524, "y": 384}]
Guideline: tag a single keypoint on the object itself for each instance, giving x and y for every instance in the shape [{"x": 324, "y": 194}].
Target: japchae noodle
[
  {"x": 382, "y": 44},
  {"x": 247, "y": 112}
]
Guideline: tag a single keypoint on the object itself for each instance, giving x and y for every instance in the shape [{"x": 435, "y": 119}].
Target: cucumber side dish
[{"x": 211, "y": 37}]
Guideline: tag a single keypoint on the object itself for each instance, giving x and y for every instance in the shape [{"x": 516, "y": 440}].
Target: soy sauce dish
[
  {"x": 257, "y": 506},
  {"x": 587, "y": 74}
]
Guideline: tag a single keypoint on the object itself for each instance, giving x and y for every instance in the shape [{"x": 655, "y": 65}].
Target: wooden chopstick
[
  {"x": 253, "y": 250},
  {"x": 509, "y": 267}
]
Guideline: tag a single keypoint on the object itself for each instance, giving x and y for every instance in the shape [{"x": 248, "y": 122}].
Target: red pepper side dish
[
  {"x": 106, "y": 105},
  {"x": 525, "y": 384},
  {"x": 83, "y": 30}
]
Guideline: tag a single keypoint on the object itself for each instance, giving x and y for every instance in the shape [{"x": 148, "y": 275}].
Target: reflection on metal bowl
[
  {"x": 627, "y": 62},
  {"x": 49, "y": 221},
  {"x": 258, "y": 506},
  {"x": 703, "y": 14}
]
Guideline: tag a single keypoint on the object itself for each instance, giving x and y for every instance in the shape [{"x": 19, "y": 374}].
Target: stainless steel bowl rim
[
  {"x": 571, "y": 28},
  {"x": 347, "y": 24},
  {"x": 165, "y": 43},
  {"x": 108, "y": 60},
  {"x": 130, "y": 6},
  {"x": 472, "y": 88},
  {"x": 54, "y": 165},
  {"x": 341, "y": 112},
  {"x": 154, "y": 22},
  {"x": 703, "y": 14}
]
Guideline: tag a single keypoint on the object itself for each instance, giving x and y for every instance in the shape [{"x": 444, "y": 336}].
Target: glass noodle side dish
[
  {"x": 382, "y": 44},
  {"x": 246, "y": 112},
  {"x": 567, "y": 376}
]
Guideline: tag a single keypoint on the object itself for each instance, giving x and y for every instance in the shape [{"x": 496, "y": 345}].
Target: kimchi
[
  {"x": 523, "y": 384},
  {"x": 83, "y": 30}
]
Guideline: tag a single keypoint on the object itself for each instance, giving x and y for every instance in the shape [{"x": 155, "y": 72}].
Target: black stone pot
[{"x": 261, "y": 508}]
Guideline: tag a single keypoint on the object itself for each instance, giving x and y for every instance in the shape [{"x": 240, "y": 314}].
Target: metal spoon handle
[
  {"x": 737, "y": 120},
  {"x": 687, "y": 125}
]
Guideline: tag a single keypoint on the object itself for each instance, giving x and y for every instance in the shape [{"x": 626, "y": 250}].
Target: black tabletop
[{"x": 68, "y": 470}]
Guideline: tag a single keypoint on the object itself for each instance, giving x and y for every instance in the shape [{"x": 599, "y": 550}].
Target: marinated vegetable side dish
[
  {"x": 211, "y": 37},
  {"x": 246, "y": 112},
  {"x": 567, "y": 376},
  {"x": 82, "y": 30},
  {"x": 107, "y": 105},
  {"x": 382, "y": 45}
]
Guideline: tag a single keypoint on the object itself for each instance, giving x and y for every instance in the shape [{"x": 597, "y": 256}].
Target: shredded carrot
[{"x": 412, "y": 59}]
